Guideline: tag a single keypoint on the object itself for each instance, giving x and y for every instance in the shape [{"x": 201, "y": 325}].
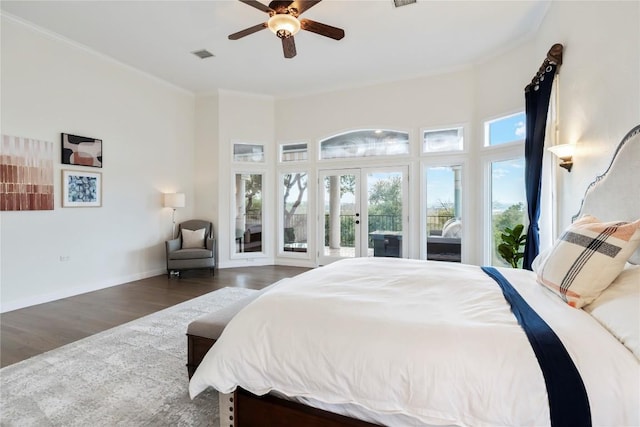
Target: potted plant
[{"x": 512, "y": 241}]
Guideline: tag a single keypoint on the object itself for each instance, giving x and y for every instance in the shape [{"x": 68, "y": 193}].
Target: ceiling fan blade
[
  {"x": 322, "y": 29},
  {"x": 288, "y": 47},
  {"x": 258, "y": 5},
  {"x": 302, "y": 5},
  {"x": 247, "y": 31}
]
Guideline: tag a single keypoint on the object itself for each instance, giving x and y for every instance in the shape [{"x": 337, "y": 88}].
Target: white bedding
[{"x": 432, "y": 341}]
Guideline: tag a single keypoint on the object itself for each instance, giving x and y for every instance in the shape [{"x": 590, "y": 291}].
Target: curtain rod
[{"x": 554, "y": 56}]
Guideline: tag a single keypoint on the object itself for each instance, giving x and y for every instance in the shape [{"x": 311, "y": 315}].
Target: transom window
[
  {"x": 505, "y": 130},
  {"x": 294, "y": 152},
  {"x": 365, "y": 143},
  {"x": 253, "y": 153},
  {"x": 441, "y": 140}
]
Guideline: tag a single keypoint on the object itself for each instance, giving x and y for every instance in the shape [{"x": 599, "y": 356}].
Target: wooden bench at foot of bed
[{"x": 203, "y": 332}]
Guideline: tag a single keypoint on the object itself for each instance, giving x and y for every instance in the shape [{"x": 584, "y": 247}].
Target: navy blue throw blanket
[{"x": 568, "y": 401}]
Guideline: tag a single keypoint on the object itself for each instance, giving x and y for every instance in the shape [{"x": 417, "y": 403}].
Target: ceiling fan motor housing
[{"x": 281, "y": 7}]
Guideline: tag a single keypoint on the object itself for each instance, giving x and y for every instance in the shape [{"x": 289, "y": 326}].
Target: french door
[{"x": 362, "y": 213}]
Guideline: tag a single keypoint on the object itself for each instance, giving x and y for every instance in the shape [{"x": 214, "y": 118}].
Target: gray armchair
[{"x": 185, "y": 254}]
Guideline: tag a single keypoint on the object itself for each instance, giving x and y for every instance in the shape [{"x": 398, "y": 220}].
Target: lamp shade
[
  {"x": 563, "y": 151},
  {"x": 284, "y": 22},
  {"x": 174, "y": 200}
]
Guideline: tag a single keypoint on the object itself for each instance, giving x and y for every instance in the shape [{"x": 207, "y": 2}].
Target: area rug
[{"x": 130, "y": 375}]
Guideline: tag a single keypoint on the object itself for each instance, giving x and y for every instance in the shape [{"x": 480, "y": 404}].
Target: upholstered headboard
[{"x": 615, "y": 195}]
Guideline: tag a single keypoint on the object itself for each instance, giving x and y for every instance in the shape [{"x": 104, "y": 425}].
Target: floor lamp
[{"x": 174, "y": 201}]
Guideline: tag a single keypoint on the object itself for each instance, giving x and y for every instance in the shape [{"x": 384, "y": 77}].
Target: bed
[{"x": 399, "y": 342}]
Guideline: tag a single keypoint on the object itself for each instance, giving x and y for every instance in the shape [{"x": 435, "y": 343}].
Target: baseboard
[
  {"x": 246, "y": 262},
  {"x": 294, "y": 262},
  {"x": 71, "y": 292}
]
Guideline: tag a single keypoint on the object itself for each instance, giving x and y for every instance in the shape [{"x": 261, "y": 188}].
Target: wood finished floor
[{"x": 33, "y": 330}]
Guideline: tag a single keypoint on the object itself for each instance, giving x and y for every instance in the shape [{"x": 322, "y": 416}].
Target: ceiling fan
[{"x": 284, "y": 22}]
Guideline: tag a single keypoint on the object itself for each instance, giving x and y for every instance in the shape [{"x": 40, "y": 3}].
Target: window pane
[
  {"x": 248, "y": 212},
  {"x": 295, "y": 212},
  {"x": 434, "y": 141},
  {"x": 384, "y": 214},
  {"x": 340, "y": 215},
  {"x": 508, "y": 202},
  {"x": 506, "y": 129},
  {"x": 444, "y": 213},
  {"x": 294, "y": 152},
  {"x": 365, "y": 143},
  {"x": 248, "y": 153}
]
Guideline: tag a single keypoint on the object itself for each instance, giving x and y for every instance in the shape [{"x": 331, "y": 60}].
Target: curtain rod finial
[{"x": 555, "y": 54}]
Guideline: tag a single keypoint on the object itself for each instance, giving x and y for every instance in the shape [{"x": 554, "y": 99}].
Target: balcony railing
[
  {"x": 378, "y": 223},
  {"x": 296, "y": 226}
]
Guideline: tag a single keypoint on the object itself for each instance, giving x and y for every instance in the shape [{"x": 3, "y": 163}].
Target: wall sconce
[
  {"x": 565, "y": 153},
  {"x": 174, "y": 201}
]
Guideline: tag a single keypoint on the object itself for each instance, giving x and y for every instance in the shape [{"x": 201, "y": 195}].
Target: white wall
[
  {"x": 50, "y": 86},
  {"x": 599, "y": 86},
  {"x": 206, "y": 159}
]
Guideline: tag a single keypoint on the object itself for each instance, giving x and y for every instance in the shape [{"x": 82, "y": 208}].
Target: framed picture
[
  {"x": 81, "y": 189},
  {"x": 81, "y": 151},
  {"x": 26, "y": 174}
]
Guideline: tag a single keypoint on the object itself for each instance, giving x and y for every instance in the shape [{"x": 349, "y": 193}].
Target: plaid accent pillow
[{"x": 587, "y": 258}]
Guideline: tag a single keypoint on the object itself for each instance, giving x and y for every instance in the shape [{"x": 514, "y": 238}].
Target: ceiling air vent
[
  {"x": 203, "y": 54},
  {"x": 398, "y": 3}
]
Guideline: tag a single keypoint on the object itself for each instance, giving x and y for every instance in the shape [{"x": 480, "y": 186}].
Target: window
[
  {"x": 294, "y": 208},
  {"x": 294, "y": 152},
  {"x": 508, "y": 202},
  {"x": 505, "y": 130},
  {"x": 253, "y": 153},
  {"x": 444, "y": 213},
  {"x": 441, "y": 140},
  {"x": 365, "y": 143},
  {"x": 248, "y": 212}
]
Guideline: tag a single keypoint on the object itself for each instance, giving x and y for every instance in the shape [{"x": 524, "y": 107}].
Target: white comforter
[{"x": 433, "y": 341}]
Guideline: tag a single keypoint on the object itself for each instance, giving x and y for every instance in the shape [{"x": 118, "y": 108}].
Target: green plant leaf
[
  {"x": 517, "y": 230},
  {"x": 512, "y": 241}
]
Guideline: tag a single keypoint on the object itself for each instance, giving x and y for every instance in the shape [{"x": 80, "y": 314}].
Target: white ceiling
[{"x": 382, "y": 43}]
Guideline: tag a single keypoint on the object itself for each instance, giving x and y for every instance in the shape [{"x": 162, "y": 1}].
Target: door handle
[{"x": 357, "y": 222}]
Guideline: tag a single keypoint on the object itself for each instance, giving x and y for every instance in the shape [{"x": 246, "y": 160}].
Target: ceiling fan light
[{"x": 285, "y": 23}]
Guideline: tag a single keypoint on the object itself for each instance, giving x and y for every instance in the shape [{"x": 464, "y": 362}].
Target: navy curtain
[{"x": 537, "y": 96}]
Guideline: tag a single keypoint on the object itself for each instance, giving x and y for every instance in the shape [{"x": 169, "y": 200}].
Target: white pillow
[
  {"x": 587, "y": 258},
  {"x": 618, "y": 308},
  {"x": 193, "y": 239}
]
